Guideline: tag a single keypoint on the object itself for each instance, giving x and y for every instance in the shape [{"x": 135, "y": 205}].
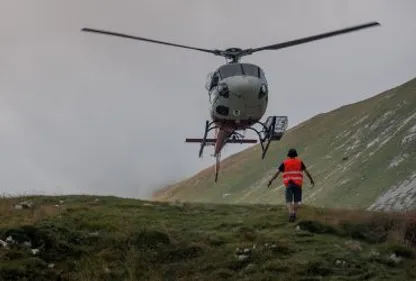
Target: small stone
[
  {"x": 3, "y": 243},
  {"x": 35, "y": 251},
  {"x": 341, "y": 263},
  {"x": 374, "y": 253},
  {"x": 247, "y": 251},
  {"x": 242, "y": 257},
  {"x": 51, "y": 265},
  {"x": 395, "y": 258}
]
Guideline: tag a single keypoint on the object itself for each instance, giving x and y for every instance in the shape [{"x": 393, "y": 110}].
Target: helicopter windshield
[{"x": 237, "y": 69}]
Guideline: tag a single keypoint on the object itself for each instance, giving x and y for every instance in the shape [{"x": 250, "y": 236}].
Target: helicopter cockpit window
[
  {"x": 230, "y": 70},
  {"x": 251, "y": 70},
  {"x": 237, "y": 69},
  {"x": 262, "y": 76},
  {"x": 214, "y": 80}
]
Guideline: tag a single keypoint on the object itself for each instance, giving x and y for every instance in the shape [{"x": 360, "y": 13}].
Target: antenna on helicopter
[{"x": 233, "y": 55}]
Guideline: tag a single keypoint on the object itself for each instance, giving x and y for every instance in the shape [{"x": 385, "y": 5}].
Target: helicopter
[{"x": 238, "y": 94}]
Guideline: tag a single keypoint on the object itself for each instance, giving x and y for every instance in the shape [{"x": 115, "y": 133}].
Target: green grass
[{"x": 125, "y": 239}]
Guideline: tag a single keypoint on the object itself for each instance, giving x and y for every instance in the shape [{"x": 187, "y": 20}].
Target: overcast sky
[{"x": 87, "y": 113}]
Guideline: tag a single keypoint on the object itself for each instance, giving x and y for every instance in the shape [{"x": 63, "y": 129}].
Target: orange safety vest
[{"x": 293, "y": 171}]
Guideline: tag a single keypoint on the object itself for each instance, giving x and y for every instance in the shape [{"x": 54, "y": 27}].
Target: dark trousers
[{"x": 293, "y": 193}]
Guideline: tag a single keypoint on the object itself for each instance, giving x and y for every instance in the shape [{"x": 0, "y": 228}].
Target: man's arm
[
  {"x": 281, "y": 168},
  {"x": 273, "y": 178},
  {"x": 308, "y": 174}
]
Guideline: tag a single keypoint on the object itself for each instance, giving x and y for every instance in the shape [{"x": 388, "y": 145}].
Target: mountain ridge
[{"x": 354, "y": 139}]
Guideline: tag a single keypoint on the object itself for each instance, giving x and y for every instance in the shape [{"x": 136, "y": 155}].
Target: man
[{"x": 292, "y": 169}]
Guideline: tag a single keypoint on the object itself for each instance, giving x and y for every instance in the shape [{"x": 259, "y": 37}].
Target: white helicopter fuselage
[{"x": 238, "y": 95}]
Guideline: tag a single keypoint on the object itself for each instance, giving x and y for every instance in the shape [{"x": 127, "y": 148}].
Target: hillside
[
  {"x": 361, "y": 155},
  {"x": 107, "y": 238}
]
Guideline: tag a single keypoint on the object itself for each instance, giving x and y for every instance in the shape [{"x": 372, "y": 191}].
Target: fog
[{"x": 87, "y": 113}]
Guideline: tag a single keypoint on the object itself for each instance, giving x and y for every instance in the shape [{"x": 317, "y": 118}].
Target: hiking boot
[{"x": 292, "y": 218}]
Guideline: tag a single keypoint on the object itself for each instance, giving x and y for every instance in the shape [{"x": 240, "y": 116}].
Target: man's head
[{"x": 292, "y": 153}]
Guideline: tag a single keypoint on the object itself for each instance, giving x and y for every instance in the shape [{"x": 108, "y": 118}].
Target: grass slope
[
  {"x": 355, "y": 153},
  {"x": 106, "y": 238}
]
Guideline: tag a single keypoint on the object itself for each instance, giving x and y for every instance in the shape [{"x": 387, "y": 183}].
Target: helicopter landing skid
[
  {"x": 271, "y": 130},
  {"x": 234, "y": 137}
]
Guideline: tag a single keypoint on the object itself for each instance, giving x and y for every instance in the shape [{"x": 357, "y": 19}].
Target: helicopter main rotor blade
[
  {"x": 311, "y": 38},
  {"x": 215, "y": 52}
]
